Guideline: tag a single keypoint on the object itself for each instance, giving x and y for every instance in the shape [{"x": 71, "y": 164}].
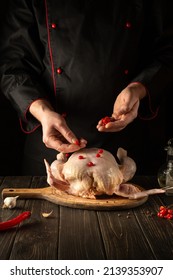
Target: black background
[{"x": 12, "y": 138}]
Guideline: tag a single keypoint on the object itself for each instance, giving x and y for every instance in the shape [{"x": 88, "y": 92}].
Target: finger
[
  {"x": 71, "y": 137},
  {"x": 68, "y": 148},
  {"x": 68, "y": 134},
  {"x": 113, "y": 126},
  {"x": 59, "y": 144},
  {"x": 83, "y": 142}
]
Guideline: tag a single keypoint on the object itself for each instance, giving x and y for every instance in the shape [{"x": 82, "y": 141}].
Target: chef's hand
[
  {"x": 56, "y": 133},
  {"x": 125, "y": 108}
]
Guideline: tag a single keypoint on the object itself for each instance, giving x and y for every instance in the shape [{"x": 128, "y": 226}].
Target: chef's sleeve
[{"x": 21, "y": 55}]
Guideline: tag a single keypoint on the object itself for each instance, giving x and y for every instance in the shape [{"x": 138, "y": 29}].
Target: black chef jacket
[{"x": 80, "y": 55}]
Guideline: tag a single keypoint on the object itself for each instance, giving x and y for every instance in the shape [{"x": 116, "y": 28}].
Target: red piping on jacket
[
  {"x": 25, "y": 115},
  {"x": 49, "y": 47},
  {"x": 25, "y": 131}
]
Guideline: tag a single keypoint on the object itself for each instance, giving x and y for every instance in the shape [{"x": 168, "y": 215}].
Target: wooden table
[{"x": 76, "y": 234}]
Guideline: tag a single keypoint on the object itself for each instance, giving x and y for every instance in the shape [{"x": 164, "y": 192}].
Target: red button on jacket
[
  {"x": 53, "y": 25},
  {"x": 59, "y": 70},
  {"x": 128, "y": 24}
]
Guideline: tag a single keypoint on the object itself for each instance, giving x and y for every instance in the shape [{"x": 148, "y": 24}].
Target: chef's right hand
[
  {"x": 125, "y": 108},
  {"x": 56, "y": 133}
]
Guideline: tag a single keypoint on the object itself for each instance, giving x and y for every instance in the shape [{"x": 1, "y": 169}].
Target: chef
[{"x": 65, "y": 65}]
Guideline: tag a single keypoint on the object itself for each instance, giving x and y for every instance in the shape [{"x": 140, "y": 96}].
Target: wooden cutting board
[{"x": 61, "y": 198}]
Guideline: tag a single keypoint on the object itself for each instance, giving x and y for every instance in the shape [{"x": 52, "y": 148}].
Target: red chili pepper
[{"x": 15, "y": 221}]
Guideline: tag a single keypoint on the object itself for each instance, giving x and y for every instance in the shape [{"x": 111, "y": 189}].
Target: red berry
[
  {"x": 158, "y": 214},
  {"x": 98, "y": 155},
  {"x": 80, "y": 157},
  {"x": 170, "y": 217},
  {"x": 164, "y": 211},
  {"x": 161, "y": 215},
  {"x": 90, "y": 163},
  {"x": 166, "y": 216},
  {"x": 105, "y": 120},
  {"x": 100, "y": 151},
  {"x": 67, "y": 155},
  {"x": 77, "y": 142}
]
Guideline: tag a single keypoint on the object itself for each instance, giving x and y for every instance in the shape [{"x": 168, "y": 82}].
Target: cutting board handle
[
  {"x": 23, "y": 193},
  {"x": 62, "y": 198}
]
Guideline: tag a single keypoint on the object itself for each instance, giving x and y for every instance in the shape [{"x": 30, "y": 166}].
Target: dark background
[{"x": 12, "y": 138}]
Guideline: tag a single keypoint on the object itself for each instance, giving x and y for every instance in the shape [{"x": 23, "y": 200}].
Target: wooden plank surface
[
  {"x": 7, "y": 238},
  {"x": 38, "y": 240},
  {"x": 158, "y": 231},
  {"x": 86, "y": 234},
  {"x": 79, "y": 235},
  {"x": 122, "y": 236}
]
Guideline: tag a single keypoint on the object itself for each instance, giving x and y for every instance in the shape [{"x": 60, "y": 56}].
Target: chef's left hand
[{"x": 125, "y": 108}]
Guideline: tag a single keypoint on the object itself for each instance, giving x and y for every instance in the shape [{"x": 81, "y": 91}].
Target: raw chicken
[{"x": 93, "y": 172}]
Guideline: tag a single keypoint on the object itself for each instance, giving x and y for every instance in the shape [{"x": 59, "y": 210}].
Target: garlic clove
[
  {"x": 46, "y": 215},
  {"x": 10, "y": 202}
]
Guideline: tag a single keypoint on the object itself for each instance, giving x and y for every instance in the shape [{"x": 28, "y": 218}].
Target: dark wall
[
  {"x": 11, "y": 137},
  {"x": 169, "y": 113}
]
